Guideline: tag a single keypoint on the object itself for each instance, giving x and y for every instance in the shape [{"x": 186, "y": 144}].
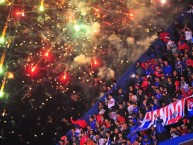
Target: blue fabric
[
  {"x": 146, "y": 142},
  {"x": 93, "y": 124},
  {"x": 159, "y": 127},
  {"x": 167, "y": 70},
  {"x": 178, "y": 140}
]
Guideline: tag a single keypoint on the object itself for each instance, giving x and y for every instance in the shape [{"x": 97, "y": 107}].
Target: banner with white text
[{"x": 170, "y": 115}]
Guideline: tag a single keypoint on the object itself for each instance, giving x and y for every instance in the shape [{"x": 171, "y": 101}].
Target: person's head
[
  {"x": 183, "y": 126},
  {"x": 124, "y": 125},
  {"x": 120, "y": 135},
  {"x": 116, "y": 130},
  {"x": 120, "y": 91},
  {"x": 140, "y": 138},
  {"x": 110, "y": 96},
  {"x": 174, "y": 99},
  {"x": 146, "y": 97},
  {"x": 88, "y": 127},
  {"x": 129, "y": 142},
  {"x": 141, "y": 115},
  {"x": 154, "y": 137},
  {"x": 178, "y": 59},
  {"x": 72, "y": 130},
  {"x": 166, "y": 63},
  {"x": 91, "y": 131},
  {"x": 100, "y": 104},
  {"x": 118, "y": 115},
  {"x": 97, "y": 135},
  {"x": 129, "y": 103},
  {"x": 152, "y": 128},
  {"x": 191, "y": 5},
  {"x": 175, "y": 73},
  {"x": 151, "y": 104},
  {"x": 157, "y": 91},
  {"x": 134, "y": 105},
  {"x": 138, "y": 64},
  {"x": 130, "y": 94},
  {"x": 120, "y": 106},
  {"x": 136, "y": 142},
  {"x": 61, "y": 142},
  {"x": 156, "y": 79},
  {"x": 169, "y": 80},
  {"x": 107, "y": 134},
  {"x": 178, "y": 127},
  {"x": 117, "y": 123},
  {"x": 91, "y": 118},
  {"x": 163, "y": 104},
  {"x": 131, "y": 88},
  {"x": 186, "y": 55},
  {"x": 145, "y": 138},
  {"x": 152, "y": 97}
]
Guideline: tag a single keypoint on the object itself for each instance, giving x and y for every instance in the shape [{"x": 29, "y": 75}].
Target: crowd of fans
[{"x": 154, "y": 84}]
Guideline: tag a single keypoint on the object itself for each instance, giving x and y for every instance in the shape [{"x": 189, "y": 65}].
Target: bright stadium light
[{"x": 163, "y": 1}]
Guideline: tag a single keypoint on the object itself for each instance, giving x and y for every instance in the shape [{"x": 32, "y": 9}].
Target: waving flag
[
  {"x": 170, "y": 115},
  {"x": 189, "y": 102}
]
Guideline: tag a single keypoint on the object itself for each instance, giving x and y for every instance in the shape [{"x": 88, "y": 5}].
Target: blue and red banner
[
  {"x": 189, "y": 102},
  {"x": 170, "y": 115}
]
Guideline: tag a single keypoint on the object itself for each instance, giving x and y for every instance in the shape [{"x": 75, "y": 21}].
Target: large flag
[
  {"x": 170, "y": 115},
  {"x": 189, "y": 102}
]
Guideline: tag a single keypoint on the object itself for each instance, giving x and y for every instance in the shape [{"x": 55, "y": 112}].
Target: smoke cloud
[
  {"x": 82, "y": 59},
  {"x": 106, "y": 73}
]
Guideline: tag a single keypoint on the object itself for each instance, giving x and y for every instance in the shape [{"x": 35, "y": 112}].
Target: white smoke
[
  {"x": 130, "y": 41},
  {"x": 82, "y": 59},
  {"x": 146, "y": 42},
  {"x": 95, "y": 27},
  {"x": 106, "y": 73},
  {"x": 114, "y": 39}
]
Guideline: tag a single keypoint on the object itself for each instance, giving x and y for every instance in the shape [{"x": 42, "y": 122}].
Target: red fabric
[
  {"x": 63, "y": 138},
  {"x": 184, "y": 94},
  {"x": 183, "y": 46},
  {"x": 190, "y": 92},
  {"x": 189, "y": 62},
  {"x": 144, "y": 66},
  {"x": 157, "y": 74},
  {"x": 177, "y": 84},
  {"x": 144, "y": 84},
  {"x": 82, "y": 123},
  {"x": 184, "y": 131},
  {"x": 163, "y": 36},
  {"x": 107, "y": 124},
  {"x": 174, "y": 120},
  {"x": 83, "y": 140},
  {"x": 121, "y": 119}
]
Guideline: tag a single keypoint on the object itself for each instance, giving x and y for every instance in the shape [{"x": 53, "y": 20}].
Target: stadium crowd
[{"x": 165, "y": 78}]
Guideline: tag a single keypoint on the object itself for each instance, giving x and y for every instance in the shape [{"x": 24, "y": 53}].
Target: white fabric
[
  {"x": 111, "y": 103},
  {"x": 188, "y": 35}
]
